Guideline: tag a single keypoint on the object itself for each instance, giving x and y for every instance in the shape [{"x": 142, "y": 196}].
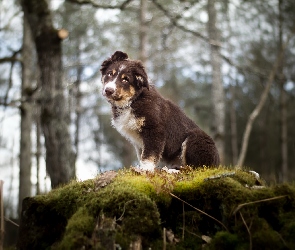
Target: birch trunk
[
  {"x": 233, "y": 126},
  {"x": 26, "y": 115},
  {"x": 217, "y": 92}
]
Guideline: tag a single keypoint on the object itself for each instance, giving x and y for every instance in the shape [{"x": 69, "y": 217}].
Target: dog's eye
[
  {"x": 110, "y": 73},
  {"x": 125, "y": 79}
]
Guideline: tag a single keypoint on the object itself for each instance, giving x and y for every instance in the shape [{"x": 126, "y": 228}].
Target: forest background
[{"x": 228, "y": 63}]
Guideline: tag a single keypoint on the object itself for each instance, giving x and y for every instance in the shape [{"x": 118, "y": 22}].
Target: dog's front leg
[
  {"x": 138, "y": 152},
  {"x": 151, "y": 154}
]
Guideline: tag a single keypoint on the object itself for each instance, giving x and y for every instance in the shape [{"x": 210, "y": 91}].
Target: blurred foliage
[{"x": 178, "y": 64}]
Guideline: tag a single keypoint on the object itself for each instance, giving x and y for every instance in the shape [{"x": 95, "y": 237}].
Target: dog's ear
[
  {"x": 141, "y": 76},
  {"x": 117, "y": 56},
  {"x": 141, "y": 81}
]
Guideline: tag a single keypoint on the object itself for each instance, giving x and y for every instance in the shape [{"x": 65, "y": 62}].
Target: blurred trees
[
  {"x": 212, "y": 58},
  {"x": 54, "y": 113}
]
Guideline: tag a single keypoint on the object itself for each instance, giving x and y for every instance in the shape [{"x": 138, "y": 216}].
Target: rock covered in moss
[{"x": 126, "y": 209}]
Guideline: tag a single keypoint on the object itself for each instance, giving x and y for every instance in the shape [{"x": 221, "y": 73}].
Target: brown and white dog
[{"x": 156, "y": 127}]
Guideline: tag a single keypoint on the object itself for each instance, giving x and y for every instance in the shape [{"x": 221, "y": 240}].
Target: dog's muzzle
[{"x": 108, "y": 92}]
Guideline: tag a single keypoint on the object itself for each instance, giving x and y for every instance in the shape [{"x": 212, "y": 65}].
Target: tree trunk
[
  {"x": 143, "y": 29},
  {"x": 26, "y": 115},
  {"x": 217, "y": 86},
  {"x": 54, "y": 122},
  {"x": 233, "y": 126},
  {"x": 283, "y": 103},
  {"x": 38, "y": 148},
  {"x": 78, "y": 106}
]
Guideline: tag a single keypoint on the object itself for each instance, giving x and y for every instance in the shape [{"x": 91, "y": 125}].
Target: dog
[{"x": 157, "y": 128}]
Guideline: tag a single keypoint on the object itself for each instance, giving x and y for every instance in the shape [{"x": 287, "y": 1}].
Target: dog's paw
[
  {"x": 170, "y": 170},
  {"x": 147, "y": 166}
]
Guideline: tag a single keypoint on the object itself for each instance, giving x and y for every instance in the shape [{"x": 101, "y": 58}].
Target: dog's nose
[{"x": 109, "y": 91}]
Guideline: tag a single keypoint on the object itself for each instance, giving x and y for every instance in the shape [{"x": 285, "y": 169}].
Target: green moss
[
  {"x": 224, "y": 241},
  {"x": 78, "y": 231},
  {"x": 141, "y": 205}
]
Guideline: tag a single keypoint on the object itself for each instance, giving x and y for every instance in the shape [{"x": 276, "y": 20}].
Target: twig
[
  {"x": 259, "y": 201},
  {"x": 12, "y": 222},
  {"x": 183, "y": 220},
  {"x": 250, "y": 236},
  {"x": 164, "y": 238},
  {"x": 174, "y": 20},
  {"x": 101, "y": 6},
  {"x": 192, "y": 233},
  {"x": 124, "y": 208},
  {"x": 200, "y": 211},
  {"x": 281, "y": 238}
]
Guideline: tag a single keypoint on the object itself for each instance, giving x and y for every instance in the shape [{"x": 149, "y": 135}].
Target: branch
[
  {"x": 199, "y": 210},
  {"x": 260, "y": 105},
  {"x": 13, "y": 58},
  {"x": 9, "y": 59},
  {"x": 174, "y": 21},
  {"x": 259, "y": 201},
  {"x": 248, "y": 230},
  {"x": 121, "y": 6}
]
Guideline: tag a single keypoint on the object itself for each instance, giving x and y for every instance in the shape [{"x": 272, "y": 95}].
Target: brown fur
[{"x": 157, "y": 128}]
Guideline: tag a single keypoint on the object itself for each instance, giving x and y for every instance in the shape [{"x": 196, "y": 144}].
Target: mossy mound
[{"x": 211, "y": 208}]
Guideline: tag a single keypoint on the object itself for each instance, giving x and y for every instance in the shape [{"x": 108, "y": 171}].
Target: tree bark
[
  {"x": 54, "y": 121},
  {"x": 78, "y": 106},
  {"x": 217, "y": 92},
  {"x": 38, "y": 148},
  {"x": 233, "y": 126},
  {"x": 26, "y": 115}
]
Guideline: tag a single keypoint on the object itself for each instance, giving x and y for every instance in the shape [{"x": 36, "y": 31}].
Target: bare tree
[
  {"x": 217, "y": 92},
  {"x": 54, "y": 112},
  {"x": 252, "y": 117}
]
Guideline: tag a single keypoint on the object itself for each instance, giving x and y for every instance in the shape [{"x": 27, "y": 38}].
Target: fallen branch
[{"x": 202, "y": 212}]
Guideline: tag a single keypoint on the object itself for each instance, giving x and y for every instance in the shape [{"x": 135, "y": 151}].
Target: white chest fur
[{"x": 129, "y": 126}]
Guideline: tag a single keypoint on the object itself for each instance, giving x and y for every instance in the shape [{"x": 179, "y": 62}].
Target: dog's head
[{"x": 123, "y": 79}]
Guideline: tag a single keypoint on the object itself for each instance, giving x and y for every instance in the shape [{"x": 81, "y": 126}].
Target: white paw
[
  {"x": 170, "y": 170},
  {"x": 147, "y": 165},
  {"x": 173, "y": 171}
]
